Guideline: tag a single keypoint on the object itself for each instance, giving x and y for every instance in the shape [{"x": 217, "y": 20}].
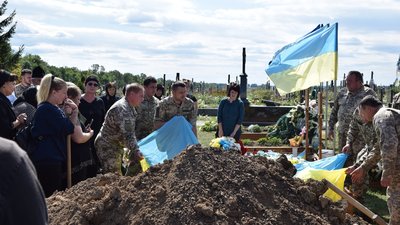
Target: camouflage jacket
[
  {"x": 119, "y": 125},
  {"x": 146, "y": 116},
  {"x": 372, "y": 156},
  {"x": 396, "y": 101},
  {"x": 386, "y": 123},
  {"x": 367, "y": 139},
  {"x": 344, "y": 106},
  {"x": 168, "y": 109},
  {"x": 360, "y": 134},
  {"x": 19, "y": 89}
]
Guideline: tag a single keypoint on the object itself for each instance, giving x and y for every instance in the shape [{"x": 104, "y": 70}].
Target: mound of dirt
[{"x": 200, "y": 186}]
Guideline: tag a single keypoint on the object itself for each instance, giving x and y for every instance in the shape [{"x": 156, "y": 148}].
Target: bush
[
  {"x": 274, "y": 141},
  {"x": 254, "y": 128},
  {"x": 210, "y": 125},
  {"x": 263, "y": 141},
  {"x": 247, "y": 142},
  {"x": 270, "y": 141}
]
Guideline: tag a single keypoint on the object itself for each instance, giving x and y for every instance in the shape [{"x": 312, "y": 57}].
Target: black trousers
[{"x": 52, "y": 176}]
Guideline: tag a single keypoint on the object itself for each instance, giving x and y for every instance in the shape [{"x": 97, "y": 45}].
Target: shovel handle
[
  {"x": 69, "y": 166},
  {"x": 355, "y": 203}
]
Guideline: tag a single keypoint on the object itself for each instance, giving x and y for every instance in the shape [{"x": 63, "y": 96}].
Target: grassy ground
[
  {"x": 205, "y": 137},
  {"x": 376, "y": 202},
  {"x": 375, "y": 199}
]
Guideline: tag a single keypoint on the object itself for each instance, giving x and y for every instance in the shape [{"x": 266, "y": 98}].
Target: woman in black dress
[{"x": 92, "y": 108}]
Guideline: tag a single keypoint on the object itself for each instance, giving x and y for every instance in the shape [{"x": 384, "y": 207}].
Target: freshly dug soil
[{"x": 200, "y": 186}]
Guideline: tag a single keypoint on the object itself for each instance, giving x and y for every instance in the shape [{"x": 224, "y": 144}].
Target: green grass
[
  {"x": 376, "y": 201},
  {"x": 205, "y": 137}
]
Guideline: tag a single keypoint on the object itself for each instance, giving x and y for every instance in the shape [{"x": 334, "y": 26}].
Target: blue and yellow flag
[{"x": 306, "y": 62}]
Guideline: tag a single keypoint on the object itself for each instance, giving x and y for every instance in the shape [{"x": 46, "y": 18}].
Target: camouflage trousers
[
  {"x": 111, "y": 157},
  {"x": 393, "y": 202},
  {"x": 342, "y": 140}
]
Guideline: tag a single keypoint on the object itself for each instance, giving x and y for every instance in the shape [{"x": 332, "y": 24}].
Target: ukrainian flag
[{"x": 306, "y": 62}]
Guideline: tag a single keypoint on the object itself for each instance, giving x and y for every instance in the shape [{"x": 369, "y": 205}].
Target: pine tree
[{"x": 8, "y": 57}]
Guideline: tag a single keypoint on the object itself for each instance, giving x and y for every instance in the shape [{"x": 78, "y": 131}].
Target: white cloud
[{"x": 203, "y": 39}]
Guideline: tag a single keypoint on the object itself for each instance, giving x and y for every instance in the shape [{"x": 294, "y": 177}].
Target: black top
[
  {"x": 94, "y": 110},
  {"x": 109, "y": 101},
  {"x": 21, "y": 196},
  {"x": 7, "y": 117},
  {"x": 194, "y": 99},
  {"x": 81, "y": 158}
]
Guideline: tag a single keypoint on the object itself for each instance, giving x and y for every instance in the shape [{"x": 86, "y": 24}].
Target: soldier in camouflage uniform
[
  {"x": 345, "y": 104},
  {"x": 360, "y": 147},
  {"x": 147, "y": 109},
  {"x": 386, "y": 123},
  {"x": 26, "y": 82},
  {"x": 396, "y": 101},
  {"x": 358, "y": 137},
  {"x": 177, "y": 104},
  {"x": 118, "y": 131}
]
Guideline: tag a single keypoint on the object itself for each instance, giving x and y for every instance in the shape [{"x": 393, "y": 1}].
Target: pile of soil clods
[{"x": 200, "y": 186}]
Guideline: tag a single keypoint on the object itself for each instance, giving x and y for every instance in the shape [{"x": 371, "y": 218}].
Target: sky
[{"x": 203, "y": 39}]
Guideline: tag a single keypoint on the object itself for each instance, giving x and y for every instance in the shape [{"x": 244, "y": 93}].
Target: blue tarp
[
  {"x": 329, "y": 163},
  {"x": 168, "y": 141}
]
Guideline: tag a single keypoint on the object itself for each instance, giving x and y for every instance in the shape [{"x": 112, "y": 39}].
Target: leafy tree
[
  {"x": 26, "y": 65},
  {"x": 33, "y": 61},
  {"x": 8, "y": 58}
]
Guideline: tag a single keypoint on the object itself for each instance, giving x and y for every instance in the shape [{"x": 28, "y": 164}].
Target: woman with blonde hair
[{"x": 50, "y": 129}]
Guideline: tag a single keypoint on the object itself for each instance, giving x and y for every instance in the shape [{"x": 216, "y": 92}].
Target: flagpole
[
  {"x": 326, "y": 114},
  {"x": 334, "y": 128},
  {"x": 320, "y": 124},
  {"x": 307, "y": 121},
  {"x": 336, "y": 75}
]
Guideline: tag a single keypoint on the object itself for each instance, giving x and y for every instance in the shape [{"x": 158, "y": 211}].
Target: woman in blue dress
[{"x": 230, "y": 114}]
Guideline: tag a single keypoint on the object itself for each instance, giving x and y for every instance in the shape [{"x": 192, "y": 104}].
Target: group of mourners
[
  {"x": 102, "y": 129},
  {"x": 368, "y": 132}
]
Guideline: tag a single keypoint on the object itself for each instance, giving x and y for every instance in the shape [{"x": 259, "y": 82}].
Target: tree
[
  {"x": 8, "y": 58},
  {"x": 30, "y": 61},
  {"x": 97, "y": 69}
]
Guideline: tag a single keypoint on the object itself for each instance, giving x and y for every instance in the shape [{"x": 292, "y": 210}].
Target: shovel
[
  {"x": 355, "y": 203},
  {"x": 69, "y": 166}
]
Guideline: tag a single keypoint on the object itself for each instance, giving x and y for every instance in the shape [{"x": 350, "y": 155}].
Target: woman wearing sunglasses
[{"x": 92, "y": 108}]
